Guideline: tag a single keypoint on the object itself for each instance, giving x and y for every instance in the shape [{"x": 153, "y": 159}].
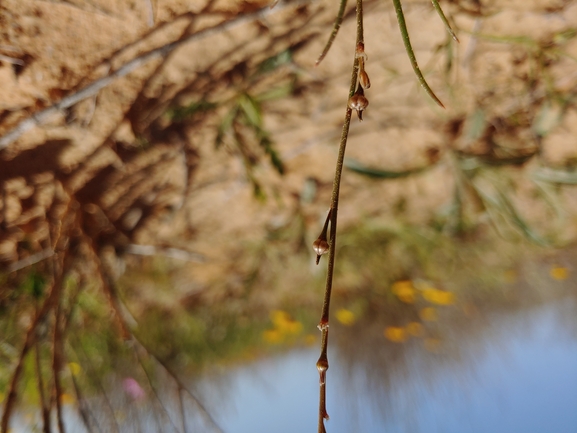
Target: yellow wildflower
[
  {"x": 67, "y": 399},
  {"x": 439, "y": 297},
  {"x": 559, "y": 273},
  {"x": 293, "y": 327},
  {"x": 346, "y": 317},
  {"x": 415, "y": 329},
  {"x": 75, "y": 368},
  {"x": 310, "y": 339},
  {"x": 428, "y": 314},
  {"x": 272, "y": 336},
  {"x": 404, "y": 290},
  {"x": 395, "y": 334},
  {"x": 280, "y": 318}
]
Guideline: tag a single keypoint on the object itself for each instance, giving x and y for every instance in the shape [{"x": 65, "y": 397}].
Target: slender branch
[
  {"x": 128, "y": 334},
  {"x": 30, "y": 260},
  {"x": 43, "y": 116},
  {"x": 173, "y": 253},
  {"x": 153, "y": 389},
  {"x": 46, "y": 427},
  {"x": 323, "y": 363},
  {"x": 181, "y": 407},
  {"x": 29, "y": 341},
  {"x": 83, "y": 409},
  {"x": 100, "y": 386},
  {"x": 57, "y": 365}
]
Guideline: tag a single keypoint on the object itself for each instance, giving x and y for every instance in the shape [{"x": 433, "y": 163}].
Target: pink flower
[{"x": 133, "y": 389}]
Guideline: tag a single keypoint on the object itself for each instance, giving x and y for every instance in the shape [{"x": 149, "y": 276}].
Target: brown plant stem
[
  {"x": 57, "y": 365},
  {"x": 41, "y": 394},
  {"x": 323, "y": 362},
  {"x": 111, "y": 292},
  {"x": 30, "y": 339}
]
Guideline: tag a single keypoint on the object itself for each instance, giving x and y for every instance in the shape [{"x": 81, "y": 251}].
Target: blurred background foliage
[{"x": 162, "y": 227}]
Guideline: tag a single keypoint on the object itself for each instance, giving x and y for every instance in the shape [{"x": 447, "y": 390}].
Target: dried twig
[
  {"x": 173, "y": 253},
  {"x": 46, "y": 427},
  {"x": 57, "y": 365},
  {"x": 30, "y": 260},
  {"x": 12, "y": 60},
  {"x": 153, "y": 389},
  {"x": 83, "y": 409},
  {"x": 49, "y": 302}
]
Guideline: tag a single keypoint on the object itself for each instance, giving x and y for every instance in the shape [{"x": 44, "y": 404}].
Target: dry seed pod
[
  {"x": 364, "y": 80},
  {"x": 358, "y": 102}
]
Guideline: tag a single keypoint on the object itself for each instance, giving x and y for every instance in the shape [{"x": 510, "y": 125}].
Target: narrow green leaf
[
  {"x": 411, "y": 53},
  {"x": 181, "y": 113},
  {"x": 444, "y": 19},
  {"x": 225, "y": 126},
  {"x": 358, "y": 167},
  {"x": 270, "y": 64},
  {"x": 518, "y": 221},
  {"x": 553, "y": 175},
  {"x": 475, "y": 125},
  {"x": 251, "y": 109},
  {"x": 336, "y": 27},
  {"x": 278, "y": 92}
]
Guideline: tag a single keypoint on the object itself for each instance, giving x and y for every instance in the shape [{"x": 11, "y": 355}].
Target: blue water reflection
[{"x": 518, "y": 375}]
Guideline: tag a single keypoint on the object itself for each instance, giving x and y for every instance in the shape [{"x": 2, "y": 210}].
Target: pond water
[
  {"x": 511, "y": 371},
  {"x": 518, "y": 375}
]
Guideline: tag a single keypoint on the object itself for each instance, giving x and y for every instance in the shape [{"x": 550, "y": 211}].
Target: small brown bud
[
  {"x": 358, "y": 102},
  {"x": 321, "y": 246},
  {"x": 364, "y": 80}
]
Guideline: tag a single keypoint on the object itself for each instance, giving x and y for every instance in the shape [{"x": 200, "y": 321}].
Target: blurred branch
[
  {"x": 29, "y": 341},
  {"x": 46, "y": 427},
  {"x": 57, "y": 364},
  {"x": 173, "y": 253},
  {"x": 43, "y": 116},
  {"x": 31, "y": 260}
]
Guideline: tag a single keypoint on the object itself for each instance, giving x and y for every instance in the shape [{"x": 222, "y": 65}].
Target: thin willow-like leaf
[
  {"x": 555, "y": 176},
  {"x": 336, "y": 27},
  {"x": 444, "y": 19},
  {"x": 411, "y": 53},
  {"x": 377, "y": 173}
]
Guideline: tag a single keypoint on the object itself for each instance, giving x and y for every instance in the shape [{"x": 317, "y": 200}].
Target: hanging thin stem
[
  {"x": 323, "y": 362},
  {"x": 336, "y": 27},
  {"x": 411, "y": 53}
]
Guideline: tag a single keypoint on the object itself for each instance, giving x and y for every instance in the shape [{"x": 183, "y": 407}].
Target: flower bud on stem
[{"x": 321, "y": 245}]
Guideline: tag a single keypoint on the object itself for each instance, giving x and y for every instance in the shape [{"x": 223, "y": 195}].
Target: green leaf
[
  {"x": 411, "y": 53},
  {"x": 476, "y": 125},
  {"x": 181, "y": 113},
  {"x": 225, "y": 125},
  {"x": 336, "y": 27},
  {"x": 444, "y": 19},
  {"x": 251, "y": 109},
  {"x": 267, "y": 144},
  {"x": 547, "y": 119},
  {"x": 553, "y": 175},
  {"x": 272, "y": 63},
  {"x": 278, "y": 92},
  {"x": 358, "y": 167}
]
